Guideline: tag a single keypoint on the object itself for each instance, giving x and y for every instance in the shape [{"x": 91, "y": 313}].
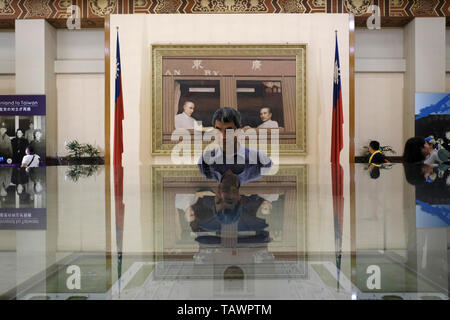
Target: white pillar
[
  {"x": 424, "y": 47},
  {"x": 35, "y": 54},
  {"x": 424, "y": 43},
  {"x": 35, "y": 72}
]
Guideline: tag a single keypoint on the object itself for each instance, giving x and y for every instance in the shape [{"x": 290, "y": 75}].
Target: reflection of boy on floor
[{"x": 228, "y": 212}]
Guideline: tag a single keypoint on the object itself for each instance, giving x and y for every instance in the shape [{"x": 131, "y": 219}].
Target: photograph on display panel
[
  {"x": 22, "y": 130},
  {"x": 265, "y": 83}
]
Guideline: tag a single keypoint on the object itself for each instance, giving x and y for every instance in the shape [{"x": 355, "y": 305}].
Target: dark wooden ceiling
[{"x": 394, "y": 13}]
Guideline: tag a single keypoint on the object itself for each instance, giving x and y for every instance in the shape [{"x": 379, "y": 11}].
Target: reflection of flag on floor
[
  {"x": 117, "y": 162},
  {"x": 120, "y": 213},
  {"x": 337, "y": 173},
  {"x": 337, "y": 180}
]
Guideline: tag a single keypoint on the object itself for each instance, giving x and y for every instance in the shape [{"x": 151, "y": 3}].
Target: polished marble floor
[{"x": 166, "y": 232}]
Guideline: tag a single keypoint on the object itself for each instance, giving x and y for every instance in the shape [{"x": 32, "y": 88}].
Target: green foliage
[
  {"x": 77, "y": 150},
  {"x": 80, "y": 171},
  {"x": 383, "y": 149},
  {"x": 91, "y": 151}
]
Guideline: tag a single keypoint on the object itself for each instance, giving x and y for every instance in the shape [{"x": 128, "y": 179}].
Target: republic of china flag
[{"x": 337, "y": 142}]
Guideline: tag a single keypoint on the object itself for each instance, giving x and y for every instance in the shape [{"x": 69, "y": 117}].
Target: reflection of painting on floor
[
  {"x": 186, "y": 197},
  {"x": 190, "y": 208}
]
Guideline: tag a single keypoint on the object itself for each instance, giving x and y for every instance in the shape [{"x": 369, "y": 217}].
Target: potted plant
[{"x": 82, "y": 153}]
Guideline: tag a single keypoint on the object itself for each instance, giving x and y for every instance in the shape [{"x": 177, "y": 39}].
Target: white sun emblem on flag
[
  {"x": 117, "y": 69},
  {"x": 337, "y": 73}
]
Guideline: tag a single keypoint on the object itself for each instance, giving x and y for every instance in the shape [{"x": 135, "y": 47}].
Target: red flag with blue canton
[
  {"x": 118, "y": 112},
  {"x": 337, "y": 142},
  {"x": 117, "y": 162},
  {"x": 337, "y": 172}
]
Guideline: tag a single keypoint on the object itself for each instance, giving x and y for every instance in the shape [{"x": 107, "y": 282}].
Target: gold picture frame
[
  {"x": 167, "y": 179},
  {"x": 292, "y": 140}
]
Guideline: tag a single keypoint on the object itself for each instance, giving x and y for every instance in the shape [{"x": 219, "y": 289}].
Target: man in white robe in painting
[
  {"x": 184, "y": 120},
  {"x": 266, "y": 117}
]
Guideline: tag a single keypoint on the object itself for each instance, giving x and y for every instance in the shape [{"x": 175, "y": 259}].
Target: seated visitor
[
  {"x": 415, "y": 150},
  {"x": 30, "y": 160},
  {"x": 376, "y": 156},
  {"x": 435, "y": 157},
  {"x": 248, "y": 164}
]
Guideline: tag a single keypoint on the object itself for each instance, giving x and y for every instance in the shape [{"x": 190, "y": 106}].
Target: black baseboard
[{"x": 391, "y": 159}]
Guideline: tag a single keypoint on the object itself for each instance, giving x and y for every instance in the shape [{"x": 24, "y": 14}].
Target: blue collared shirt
[{"x": 247, "y": 164}]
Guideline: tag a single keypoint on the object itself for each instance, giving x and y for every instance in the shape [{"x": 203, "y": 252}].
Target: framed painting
[{"x": 265, "y": 83}]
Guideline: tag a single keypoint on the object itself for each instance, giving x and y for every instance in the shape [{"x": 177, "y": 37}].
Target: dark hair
[
  {"x": 229, "y": 179},
  {"x": 30, "y": 149},
  {"x": 413, "y": 150},
  {"x": 187, "y": 101},
  {"x": 268, "y": 108},
  {"x": 34, "y": 132},
  {"x": 18, "y": 131},
  {"x": 375, "y": 145},
  {"x": 227, "y": 114}
]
